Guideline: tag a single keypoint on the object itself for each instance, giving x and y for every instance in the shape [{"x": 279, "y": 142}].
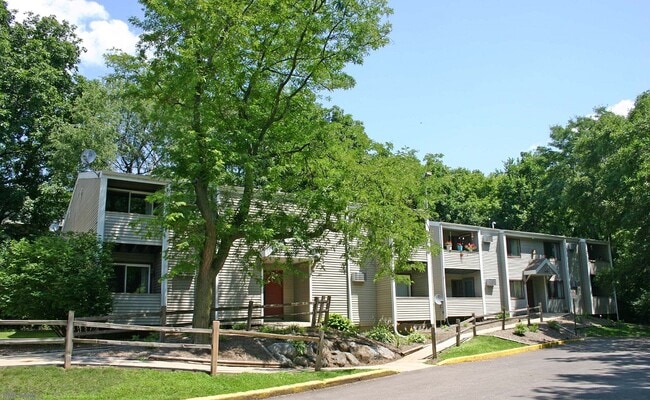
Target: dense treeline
[{"x": 258, "y": 125}]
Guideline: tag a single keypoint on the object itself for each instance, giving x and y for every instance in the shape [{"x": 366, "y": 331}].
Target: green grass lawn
[
  {"x": 125, "y": 383},
  {"x": 619, "y": 329},
  {"x": 478, "y": 345},
  {"x": 26, "y": 334}
]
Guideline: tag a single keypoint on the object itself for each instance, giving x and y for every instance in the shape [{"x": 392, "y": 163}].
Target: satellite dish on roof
[
  {"x": 87, "y": 158},
  {"x": 438, "y": 299}
]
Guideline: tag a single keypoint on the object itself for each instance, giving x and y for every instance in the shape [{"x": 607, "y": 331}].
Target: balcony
[
  {"x": 412, "y": 308},
  {"x": 461, "y": 260},
  {"x": 464, "y": 306},
  {"x": 129, "y": 228}
]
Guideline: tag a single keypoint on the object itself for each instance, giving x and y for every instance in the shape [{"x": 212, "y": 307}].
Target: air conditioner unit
[
  {"x": 490, "y": 282},
  {"x": 487, "y": 238},
  {"x": 358, "y": 277}
]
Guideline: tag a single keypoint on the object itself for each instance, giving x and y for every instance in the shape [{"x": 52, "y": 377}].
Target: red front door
[{"x": 273, "y": 294}]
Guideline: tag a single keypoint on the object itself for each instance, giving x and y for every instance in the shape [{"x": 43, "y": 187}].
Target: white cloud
[
  {"x": 622, "y": 108},
  {"x": 98, "y": 32}
]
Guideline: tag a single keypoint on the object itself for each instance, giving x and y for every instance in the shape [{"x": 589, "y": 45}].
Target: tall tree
[
  {"x": 234, "y": 86},
  {"x": 37, "y": 86}
]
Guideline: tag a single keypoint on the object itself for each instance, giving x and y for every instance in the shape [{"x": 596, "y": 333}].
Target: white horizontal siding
[
  {"x": 83, "y": 211},
  {"x": 129, "y": 228},
  {"x": 461, "y": 260},
  {"x": 129, "y": 303},
  {"x": 180, "y": 296},
  {"x": 464, "y": 306},
  {"x": 412, "y": 308}
]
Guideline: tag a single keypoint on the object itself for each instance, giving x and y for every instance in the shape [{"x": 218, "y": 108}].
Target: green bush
[
  {"x": 382, "y": 332},
  {"x": 46, "y": 277},
  {"x": 300, "y": 346},
  {"x": 520, "y": 329},
  {"x": 554, "y": 325},
  {"x": 416, "y": 337},
  {"x": 341, "y": 323},
  {"x": 533, "y": 328},
  {"x": 239, "y": 326}
]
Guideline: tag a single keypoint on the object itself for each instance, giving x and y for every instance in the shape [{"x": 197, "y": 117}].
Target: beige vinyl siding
[
  {"x": 464, "y": 306},
  {"x": 412, "y": 308},
  {"x": 129, "y": 228},
  {"x": 517, "y": 265},
  {"x": 384, "y": 299},
  {"x": 556, "y": 305},
  {"x": 180, "y": 296},
  {"x": 461, "y": 260},
  {"x": 83, "y": 211},
  {"x": 128, "y": 303},
  {"x": 235, "y": 287},
  {"x": 492, "y": 294},
  {"x": 329, "y": 276},
  {"x": 364, "y": 296}
]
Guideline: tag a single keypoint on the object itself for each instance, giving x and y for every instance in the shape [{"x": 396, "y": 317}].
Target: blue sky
[{"x": 478, "y": 81}]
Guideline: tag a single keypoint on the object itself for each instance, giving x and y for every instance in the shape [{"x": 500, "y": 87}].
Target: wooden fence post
[
  {"x": 474, "y": 324},
  {"x": 69, "y": 336},
  {"x": 434, "y": 344},
  {"x": 528, "y": 314},
  {"x": 321, "y": 309},
  {"x": 541, "y": 313},
  {"x": 457, "y": 332},
  {"x": 214, "y": 351},
  {"x": 163, "y": 322},
  {"x": 503, "y": 319},
  {"x": 313, "y": 312},
  {"x": 249, "y": 321},
  {"x": 319, "y": 351},
  {"x": 327, "y": 309}
]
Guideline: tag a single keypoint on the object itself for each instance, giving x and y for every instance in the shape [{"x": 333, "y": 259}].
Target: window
[
  {"x": 552, "y": 250},
  {"x": 128, "y": 202},
  {"x": 517, "y": 289},
  {"x": 555, "y": 289},
  {"x": 513, "y": 247},
  {"x": 403, "y": 289},
  {"x": 462, "y": 287},
  {"x": 131, "y": 278}
]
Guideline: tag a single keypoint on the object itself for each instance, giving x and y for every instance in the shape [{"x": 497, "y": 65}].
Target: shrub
[
  {"x": 300, "y": 346},
  {"x": 533, "y": 328},
  {"x": 239, "y": 326},
  {"x": 554, "y": 325},
  {"x": 341, "y": 323},
  {"x": 520, "y": 329},
  {"x": 382, "y": 332},
  {"x": 46, "y": 277},
  {"x": 416, "y": 337}
]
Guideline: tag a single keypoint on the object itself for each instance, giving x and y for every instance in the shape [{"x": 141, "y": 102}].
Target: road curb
[
  {"x": 504, "y": 353},
  {"x": 300, "y": 387}
]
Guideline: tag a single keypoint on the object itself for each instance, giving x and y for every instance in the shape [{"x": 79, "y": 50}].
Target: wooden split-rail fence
[{"x": 488, "y": 319}]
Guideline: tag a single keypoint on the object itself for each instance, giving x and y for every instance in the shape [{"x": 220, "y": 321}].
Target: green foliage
[
  {"x": 520, "y": 329},
  {"x": 50, "y": 275},
  {"x": 37, "y": 88},
  {"x": 619, "y": 329},
  {"x": 382, "y": 332},
  {"x": 239, "y": 326},
  {"x": 341, "y": 323},
  {"x": 416, "y": 337},
  {"x": 554, "y": 325},
  {"x": 283, "y": 330},
  {"x": 300, "y": 346},
  {"x": 533, "y": 328}
]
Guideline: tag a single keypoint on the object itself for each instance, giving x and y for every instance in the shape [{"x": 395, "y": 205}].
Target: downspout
[{"x": 348, "y": 283}]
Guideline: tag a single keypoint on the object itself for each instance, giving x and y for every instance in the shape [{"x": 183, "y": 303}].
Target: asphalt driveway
[{"x": 590, "y": 369}]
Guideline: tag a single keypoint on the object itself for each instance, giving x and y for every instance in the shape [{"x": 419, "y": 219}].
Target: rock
[
  {"x": 284, "y": 361},
  {"x": 364, "y": 353},
  {"x": 385, "y": 353},
  {"x": 343, "y": 346},
  {"x": 310, "y": 353},
  {"x": 338, "y": 359},
  {"x": 352, "y": 360},
  {"x": 301, "y": 361},
  {"x": 283, "y": 349}
]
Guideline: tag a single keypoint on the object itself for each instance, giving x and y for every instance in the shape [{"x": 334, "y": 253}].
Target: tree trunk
[{"x": 203, "y": 297}]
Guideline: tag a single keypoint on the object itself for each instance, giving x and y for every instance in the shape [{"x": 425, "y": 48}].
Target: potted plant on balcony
[
  {"x": 448, "y": 245},
  {"x": 470, "y": 247}
]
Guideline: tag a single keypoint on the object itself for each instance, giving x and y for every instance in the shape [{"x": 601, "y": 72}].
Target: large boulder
[{"x": 365, "y": 353}]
